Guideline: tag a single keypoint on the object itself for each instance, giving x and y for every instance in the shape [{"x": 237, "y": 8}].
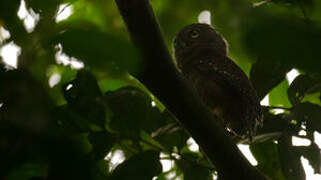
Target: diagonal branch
[{"x": 161, "y": 77}]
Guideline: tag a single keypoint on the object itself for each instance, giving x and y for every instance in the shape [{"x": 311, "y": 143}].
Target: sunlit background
[{"x": 11, "y": 51}]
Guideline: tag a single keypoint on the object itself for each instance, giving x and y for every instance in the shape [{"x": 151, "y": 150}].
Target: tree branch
[{"x": 164, "y": 81}]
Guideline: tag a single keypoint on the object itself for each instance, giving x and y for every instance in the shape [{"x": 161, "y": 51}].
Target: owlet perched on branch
[{"x": 201, "y": 56}]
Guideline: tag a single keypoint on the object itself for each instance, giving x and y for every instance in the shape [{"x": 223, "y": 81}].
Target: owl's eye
[{"x": 194, "y": 34}]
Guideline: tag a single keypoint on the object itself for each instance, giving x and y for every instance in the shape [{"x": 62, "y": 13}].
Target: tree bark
[{"x": 164, "y": 81}]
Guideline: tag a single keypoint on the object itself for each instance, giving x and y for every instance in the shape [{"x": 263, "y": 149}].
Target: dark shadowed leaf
[
  {"x": 25, "y": 101},
  {"x": 85, "y": 109},
  {"x": 133, "y": 110},
  {"x": 296, "y": 48},
  {"x": 101, "y": 143},
  {"x": 266, "y": 154},
  {"x": 275, "y": 124},
  {"x": 83, "y": 88},
  {"x": 267, "y": 74},
  {"x": 310, "y": 114},
  {"x": 290, "y": 159},
  {"x": 313, "y": 154},
  {"x": 301, "y": 86},
  {"x": 194, "y": 167},
  {"x": 40, "y": 6},
  {"x": 172, "y": 134},
  {"x": 27, "y": 171},
  {"x": 143, "y": 166},
  {"x": 8, "y": 17},
  {"x": 272, "y": 129},
  {"x": 99, "y": 49}
]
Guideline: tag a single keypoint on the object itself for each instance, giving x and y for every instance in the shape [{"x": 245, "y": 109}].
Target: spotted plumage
[{"x": 201, "y": 56}]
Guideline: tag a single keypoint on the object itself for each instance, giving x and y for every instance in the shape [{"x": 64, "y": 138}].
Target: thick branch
[{"x": 161, "y": 77}]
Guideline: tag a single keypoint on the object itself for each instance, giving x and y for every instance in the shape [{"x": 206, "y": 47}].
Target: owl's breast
[{"x": 221, "y": 100}]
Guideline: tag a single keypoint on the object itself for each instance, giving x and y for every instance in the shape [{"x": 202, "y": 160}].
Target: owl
[{"x": 202, "y": 57}]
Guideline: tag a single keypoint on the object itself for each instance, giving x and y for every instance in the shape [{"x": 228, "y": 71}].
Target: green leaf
[
  {"x": 149, "y": 143},
  {"x": 306, "y": 3},
  {"x": 266, "y": 154},
  {"x": 143, "y": 166},
  {"x": 99, "y": 50},
  {"x": 66, "y": 75},
  {"x": 277, "y": 97},
  {"x": 314, "y": 98}
]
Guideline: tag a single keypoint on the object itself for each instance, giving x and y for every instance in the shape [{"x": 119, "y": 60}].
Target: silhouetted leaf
[
  {"x": 40, "y": 6},
  {"x": 172, "y": 135},
  {"x": 25, "y": 102},
  {"x": 266, "y": 74},
  {"x": 133, "y": 110},
  {"x": 295, "y": 48},
  {"x": 83, "y": 88},
  {"x": 313, "y": 154},
  {"x": 310, "y": 114},
  {"x": 290, "y": 159},
  {"x": 275, "y": 124},
  {"x": 266, "y": 154},
  {"x": 99, "y": 49},
  {"x": 301, "y": 86},
  {"x": 86, "y": 108},
  {"x": 194, "y": 167},
  {"x": 143, "y": 166},
  {"x": 102, "y": 142},
  {"x": 8, "y": 10}
]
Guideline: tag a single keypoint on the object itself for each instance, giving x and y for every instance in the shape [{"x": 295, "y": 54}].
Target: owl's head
[{"x": 198, "y": 36}]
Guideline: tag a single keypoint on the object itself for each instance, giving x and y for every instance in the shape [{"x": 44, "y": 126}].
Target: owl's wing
[{"x": 225, "y": 71}]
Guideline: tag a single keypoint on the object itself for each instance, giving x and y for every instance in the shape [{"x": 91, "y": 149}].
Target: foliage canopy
[{"x": 66, "y": 131}]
